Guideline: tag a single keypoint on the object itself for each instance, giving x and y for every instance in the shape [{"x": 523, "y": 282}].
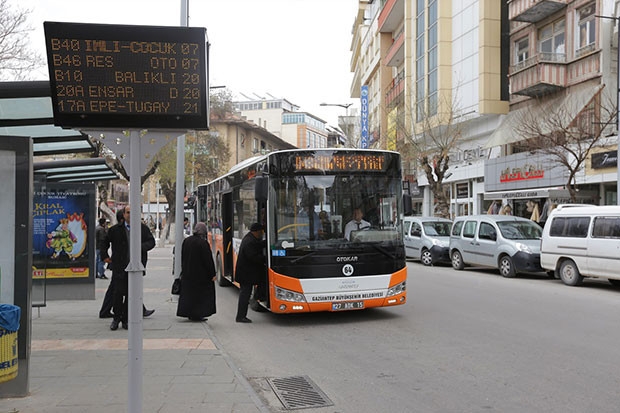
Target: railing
[{"x": 542, "y": 57}]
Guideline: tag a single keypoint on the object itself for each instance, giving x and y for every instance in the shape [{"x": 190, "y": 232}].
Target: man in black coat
[
  {"x": 197, "y": 297},
  {"x": 118, "y": 236},
  {"x": 250, "y": 269}
]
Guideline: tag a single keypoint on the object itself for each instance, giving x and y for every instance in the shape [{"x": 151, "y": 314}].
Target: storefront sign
[{"x": 604, "y": 160}]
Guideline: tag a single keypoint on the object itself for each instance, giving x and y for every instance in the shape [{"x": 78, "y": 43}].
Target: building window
[
  {"x": 433, "y": 62},
  {"x": 522, "y": 50},
  {"x": 551, "y": 41},
  {"x": 254, "y": 145},
  {"x": 586, "y": 29},
  {"x": 420, "y": 51}
]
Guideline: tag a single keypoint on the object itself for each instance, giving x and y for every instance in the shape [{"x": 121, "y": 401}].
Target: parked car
[
  {"x": 510, "y": 244},
  {"x": 427, "y": 239},
  {"x": 580, "y": 242}
]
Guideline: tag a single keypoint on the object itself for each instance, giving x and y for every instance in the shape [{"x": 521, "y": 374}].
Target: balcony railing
[
  {"x": 396, "y": 88},
  {"x": 542, "y": 57}
]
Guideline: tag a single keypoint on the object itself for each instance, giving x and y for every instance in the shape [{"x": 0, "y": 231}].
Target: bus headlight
[
  {"x": 397, "y": 289},
  {"x": 288, "y": 295}
]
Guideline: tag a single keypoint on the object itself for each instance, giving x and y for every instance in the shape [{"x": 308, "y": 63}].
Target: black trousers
[
  {"x": 121, "y": 296},
  {"x": 244, "y": 300}
]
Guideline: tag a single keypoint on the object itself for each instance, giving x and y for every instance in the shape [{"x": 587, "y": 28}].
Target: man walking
[
  {"x": 250, "y": 269},
  {"x": 118, "y": 237}
]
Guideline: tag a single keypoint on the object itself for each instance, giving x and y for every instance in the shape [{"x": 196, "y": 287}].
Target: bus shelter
[{"x": 29, "y": 171}]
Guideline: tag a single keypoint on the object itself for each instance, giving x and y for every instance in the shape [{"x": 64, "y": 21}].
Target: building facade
[
  {"x": 283, "y": 119},
  {"x": 433, "y": 65},
  {"x": 563, "y": 79}
]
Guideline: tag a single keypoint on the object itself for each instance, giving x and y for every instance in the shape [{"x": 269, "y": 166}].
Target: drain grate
[{"x": 298, "y": 392}]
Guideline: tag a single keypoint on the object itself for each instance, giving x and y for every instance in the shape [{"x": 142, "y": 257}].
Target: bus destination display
[
  {"x": 340, "y": 162},
  {"x": 127, "y": 76}
]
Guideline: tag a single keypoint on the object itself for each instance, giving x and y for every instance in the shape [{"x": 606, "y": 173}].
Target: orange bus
[{"x": 304, "y": 199}]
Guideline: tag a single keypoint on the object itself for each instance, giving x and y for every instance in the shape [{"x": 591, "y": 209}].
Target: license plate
[{"x": 347, "y": 305}]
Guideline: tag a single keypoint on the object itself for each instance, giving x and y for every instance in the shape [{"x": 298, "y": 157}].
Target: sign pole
[{"x": 134, "y": 273}]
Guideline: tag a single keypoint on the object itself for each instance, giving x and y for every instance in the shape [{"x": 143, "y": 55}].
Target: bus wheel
[
  {"x": 506, "y": 267},
  {"x": 569, "y": 273},
  {"x": 426, "y": 258},
  {"x": 221, "y": 280}
]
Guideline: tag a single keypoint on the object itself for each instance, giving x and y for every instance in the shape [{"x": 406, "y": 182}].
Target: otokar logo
[{"x": 347, "y": 270}]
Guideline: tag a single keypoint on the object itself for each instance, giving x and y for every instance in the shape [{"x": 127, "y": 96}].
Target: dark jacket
[
  {"x": 117, "y": 236},
  {"x": 100, "y": 234},
  {"x": 251, "y": 264},
  {"x": 197, "y": 297}
]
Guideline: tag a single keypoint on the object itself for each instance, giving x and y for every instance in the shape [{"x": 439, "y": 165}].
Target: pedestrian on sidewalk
[
  {"x": 250, "y": 269},
  {"x": 197, "y": 297},
  {"x": 108, "y": 299},
  {"x": 100, "y": 234},
  {"x": 118, "y": 237}
]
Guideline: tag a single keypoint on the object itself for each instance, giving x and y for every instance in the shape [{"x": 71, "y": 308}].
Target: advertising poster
[{"x": 61, "y": 231}]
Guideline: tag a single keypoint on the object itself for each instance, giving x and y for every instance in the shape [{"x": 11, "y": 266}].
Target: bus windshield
[{"x": 311, "y": 212}]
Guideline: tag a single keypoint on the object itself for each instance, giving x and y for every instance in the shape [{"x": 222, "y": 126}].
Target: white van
[
  {"x": 582, "y": 242},
  {"x": 510, "y": 244},
  {"x": 427, "y": 239}
]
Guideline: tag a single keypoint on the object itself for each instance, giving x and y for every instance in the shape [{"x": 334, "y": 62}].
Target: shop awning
[{"x": 571, "y": 105}]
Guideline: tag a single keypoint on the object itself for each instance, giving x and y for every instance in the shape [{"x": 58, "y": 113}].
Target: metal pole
[
  {"x": 157, "y": 189},
  {"x": 180, "y": 186},
  {"x": 618, "y": 116},
  {"x": 134, "y": 273}
]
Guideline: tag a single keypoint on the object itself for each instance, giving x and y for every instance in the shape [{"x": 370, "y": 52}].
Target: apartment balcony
[
  {"x": 395, "y": 89},
  {"x": 396, "y": 53},
  {"x": 532, "y": 11},
  {"x": 392, "y": 14},
  {"x": 539, "y": 75}
]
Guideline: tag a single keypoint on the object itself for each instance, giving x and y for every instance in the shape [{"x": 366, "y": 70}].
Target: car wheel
[
  {"x": 219, "y": 274},
  {"x": 569, "y": 273},
  {"x": 457, "y": 260},
  {"x": 426, "y": 258},
  {"x": 506, "y": 267}
]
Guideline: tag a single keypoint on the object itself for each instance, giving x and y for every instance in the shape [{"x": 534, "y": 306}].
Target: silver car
[
  {"x": 427, "y": 239},
  {"x": 509, "y": 243}
]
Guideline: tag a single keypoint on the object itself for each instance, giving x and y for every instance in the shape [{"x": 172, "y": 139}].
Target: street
[{"x": 466, "y": 341}]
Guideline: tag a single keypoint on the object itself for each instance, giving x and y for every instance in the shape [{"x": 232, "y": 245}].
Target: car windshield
[
  {"x": 313, "y": 212},
  {"x": 520, "y": 230},
  {"x": 437, "y": 228}
]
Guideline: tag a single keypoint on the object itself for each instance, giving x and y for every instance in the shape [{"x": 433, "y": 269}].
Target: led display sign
[
  {"x": 340, "y": 162},
  {"x": 128, "y": 76}
]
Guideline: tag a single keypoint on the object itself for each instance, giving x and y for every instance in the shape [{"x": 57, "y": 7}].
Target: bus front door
[{"x": 227, "y": 227}]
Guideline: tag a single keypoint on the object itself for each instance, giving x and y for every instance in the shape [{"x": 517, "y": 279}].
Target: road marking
[{"x": 121, "y": 344}]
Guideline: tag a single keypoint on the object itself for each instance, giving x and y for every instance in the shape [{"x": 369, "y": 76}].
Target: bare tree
[
  {"x": 203, "y": 152},
  {"x": 17, "y": 59},
  {"x": 566, "y": 132},
  {"x": 426, "y": 137}
]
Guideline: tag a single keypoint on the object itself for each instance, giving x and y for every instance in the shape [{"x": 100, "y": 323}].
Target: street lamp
[{"x": 342, "y": 105}]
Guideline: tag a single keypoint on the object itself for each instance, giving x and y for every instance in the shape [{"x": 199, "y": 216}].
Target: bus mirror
[
  {"x": 261, "y": 188},
  {"x": 407, "y": 206}
]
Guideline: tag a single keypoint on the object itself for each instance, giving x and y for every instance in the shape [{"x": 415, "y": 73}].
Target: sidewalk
[{"x": 79, "y": 365}]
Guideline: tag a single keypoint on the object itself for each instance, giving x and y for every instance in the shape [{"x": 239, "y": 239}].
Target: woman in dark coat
[{"x": 197, "y": 297}]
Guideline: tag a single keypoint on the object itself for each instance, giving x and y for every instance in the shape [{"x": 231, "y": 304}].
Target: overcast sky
[{"x": 293, "y": 49}]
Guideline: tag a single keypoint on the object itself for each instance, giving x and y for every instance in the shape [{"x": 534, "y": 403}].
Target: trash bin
[{"x": 9, "y": 324}]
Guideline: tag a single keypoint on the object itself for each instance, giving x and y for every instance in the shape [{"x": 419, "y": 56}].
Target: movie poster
[{"x": 61, "y": 231}]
